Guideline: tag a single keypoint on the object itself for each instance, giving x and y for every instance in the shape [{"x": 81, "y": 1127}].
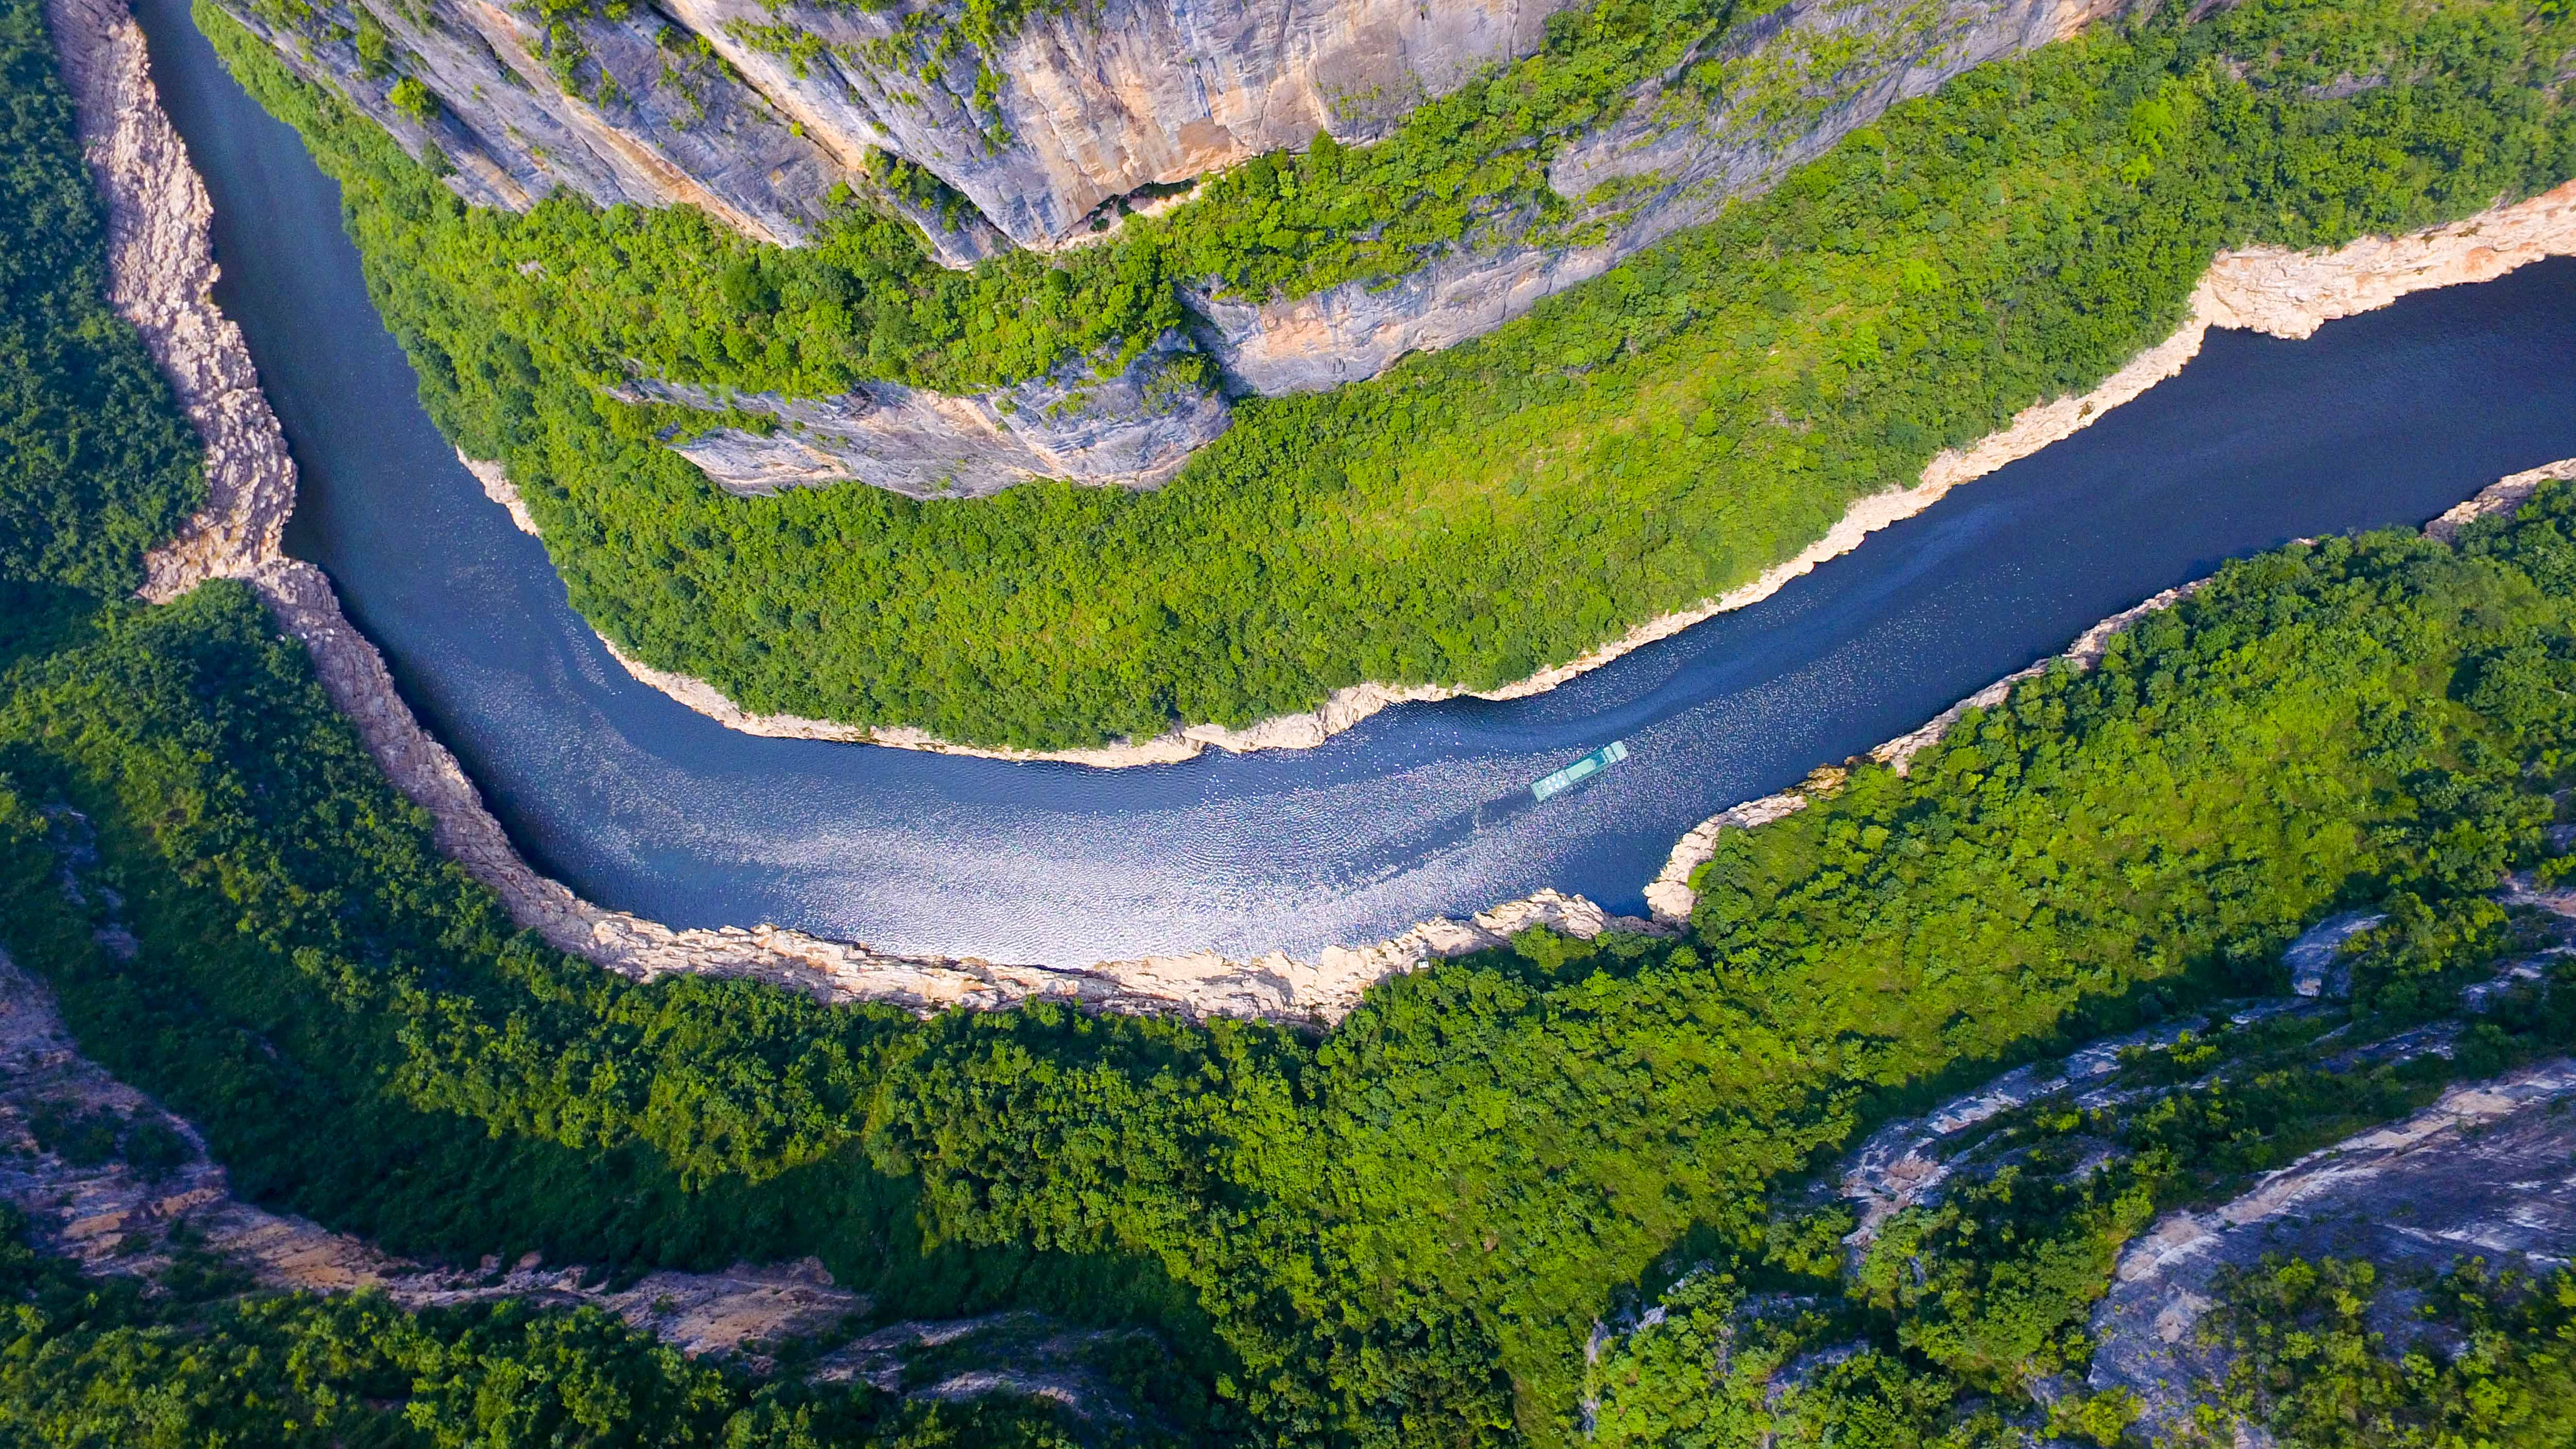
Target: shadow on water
[{"x": 2383, "y": 419}]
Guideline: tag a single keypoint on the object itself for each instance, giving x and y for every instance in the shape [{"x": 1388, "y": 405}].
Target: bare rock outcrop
[
  {"x": 1133, "y": 429},
  {"x": 1796, "y": 83},
  {"x": 755, "y": 110},
  {"x": 111, "y": 1215},
  {"x": 162, "y": 276},
  {"x": 619, "y": 110},
  {"x": 2484, "y": 1171}
]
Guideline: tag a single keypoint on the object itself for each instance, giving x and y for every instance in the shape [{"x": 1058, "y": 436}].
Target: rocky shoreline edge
[
  {"x": 151, "y": 191},
  {"x": 2270, "y": 290}
]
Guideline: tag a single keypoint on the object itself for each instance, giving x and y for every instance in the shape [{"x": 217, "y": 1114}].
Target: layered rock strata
[
  {"x": 1134, "y": 429},
  {"x": 624, "y": 110},
  {"x": 2270, "y": 290},
  {"x": 161, "y": 279}
]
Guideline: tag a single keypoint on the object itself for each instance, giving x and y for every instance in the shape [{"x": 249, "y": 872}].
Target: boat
[{"x": 1581, "y": 770}]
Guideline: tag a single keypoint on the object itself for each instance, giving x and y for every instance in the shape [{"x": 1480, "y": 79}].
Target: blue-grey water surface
[{"x": 642, "y": 805}]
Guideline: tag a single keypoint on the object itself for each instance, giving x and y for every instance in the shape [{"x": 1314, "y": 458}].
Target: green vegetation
[
  {"x": 2313, "y": 1369},
  {"x": 184, "y": 1364},
  {"x": 1394, "y": 1231},
  {"x": 1634, "y": 446},
  {"x": 96, "y": 464},
  {"x": 1962, "y": 1317}
]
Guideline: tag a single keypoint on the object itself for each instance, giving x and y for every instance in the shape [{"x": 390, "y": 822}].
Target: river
[{"x": 644, "y": 806}]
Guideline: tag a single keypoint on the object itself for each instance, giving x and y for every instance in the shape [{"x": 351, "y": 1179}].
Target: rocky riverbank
[
  {"x": 2270, "y": 290},
  {"x": 162, "y": 276},
  {"x": 141, "y": 182}
]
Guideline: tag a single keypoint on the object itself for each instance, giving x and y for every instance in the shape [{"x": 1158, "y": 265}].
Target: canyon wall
[
  {"x": 1796, "y": 82},
  {"x": 755, "y": 110},
  {"x": 161, "y": 272},
  {"x": 1133, "y": 428},
  {"x": 757, "y": 113}
]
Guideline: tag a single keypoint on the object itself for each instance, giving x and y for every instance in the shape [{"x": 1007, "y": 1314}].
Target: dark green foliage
[
  {"x": 96, "y": 1363},
  {"x": 1401, "y": 1224},
  {"x": 2491, "y": 1361},
  {"x": 96, "y": 464},
  {"x": 1636, "y": 445}
]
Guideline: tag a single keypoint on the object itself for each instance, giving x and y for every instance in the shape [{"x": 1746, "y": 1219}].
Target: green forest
[
  {"x": 1638, "y": 444},
  {"x": 1394, "y": 1231},
  {"x": 1400, "y": 1230}
]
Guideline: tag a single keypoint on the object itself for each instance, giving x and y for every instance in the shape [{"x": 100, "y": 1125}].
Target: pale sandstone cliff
[
  {"x": 2262, "y": 289},
  {"x": 161, "y": 279}
]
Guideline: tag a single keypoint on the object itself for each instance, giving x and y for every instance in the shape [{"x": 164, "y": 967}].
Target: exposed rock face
[
  {"x": 1671, "y": 160},
  {"x": 753, "y": 111},
  {"x": 1100, "y": 101},
  {"x": 2482, "y": 1172},
  {"x": 645, "y": 116},
  {"x": 114, "y": 1217},
  {"x": 162, "y": 276},
  {"x": 1135, "y": 429}
]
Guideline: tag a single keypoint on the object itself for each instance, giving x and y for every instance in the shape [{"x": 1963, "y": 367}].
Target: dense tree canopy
[
  {"x": 1636, "y": 445},
  {"x": 96, "y": 465},
  {"x": 1397, "y": 1229}
]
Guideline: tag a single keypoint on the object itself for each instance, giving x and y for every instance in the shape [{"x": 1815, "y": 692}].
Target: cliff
[
  {"x": 1796, "y": 83},
  {"x": 753, "y": 111},
  {"x": 1134, "y": 428},
  {"x": 161, "y": 269},
  {"x": 756, "y": 112}
]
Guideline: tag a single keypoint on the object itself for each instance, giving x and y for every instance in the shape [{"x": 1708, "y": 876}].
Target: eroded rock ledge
[
  {"x": 2270, "y": 290},
  {"x": 2481, "y": 1172},
  {"x": 1133, "y": 429},
  {"x": 753, "y": 109},
  {"x": 161, "y": 278}
]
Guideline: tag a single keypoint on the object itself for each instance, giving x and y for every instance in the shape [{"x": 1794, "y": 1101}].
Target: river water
[{"x": 642, "y": 805}]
